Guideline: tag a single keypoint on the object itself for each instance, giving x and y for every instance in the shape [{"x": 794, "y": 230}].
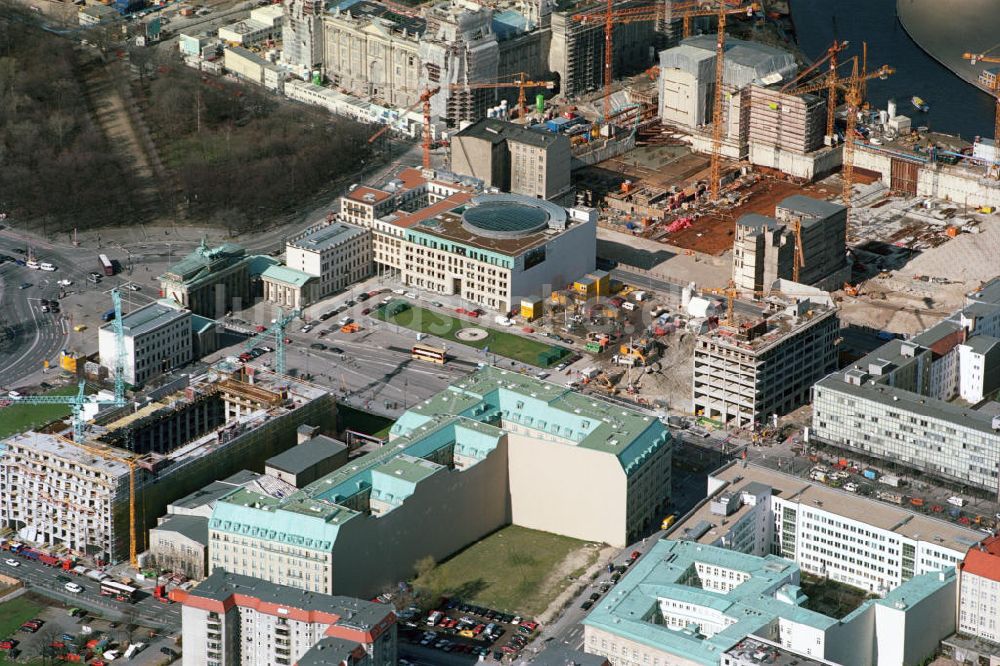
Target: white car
[
  {"x": 306, "y": 328},
  {"x": 46, "y": 266},
  {"x": 74, "y": 588},
  {"x": 111, "y": 655},
  {"x": 399, "y": 291},
  {"x": 14, "y": 395},
  {"x": 64, "y": 283},
  {"x": 12, "y": 562},
  {"x": 412, "y": 295},
  {"x": 134, "y": 287}
]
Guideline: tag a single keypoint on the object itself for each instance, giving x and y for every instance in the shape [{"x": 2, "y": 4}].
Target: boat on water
[{"x": 920, "y": 104}]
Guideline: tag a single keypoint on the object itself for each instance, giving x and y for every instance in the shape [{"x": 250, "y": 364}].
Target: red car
[
  {"x": 246, "y": 356},
  {"x": 530, "y": 625},
  {"x": 460, "y": 310},
  {"x": 260, "y": 329},
  {"x": 8, "y": 644},
  {"x": 473, "y": 313},
  {"x": 635, "y": 555},
  {"x": 366, "y": 311}
]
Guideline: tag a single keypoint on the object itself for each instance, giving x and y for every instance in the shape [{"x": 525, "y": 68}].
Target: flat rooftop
[
  {"x": 148, "y": 318},
  {"x": 756, "y": 334},
  {"x": 328, "y": 235},
  {"x": 56, "y": 446},
  {"x": 496, "y": 131},
  {"x": 879, "y": 514},
  {"x": 372, "y": 11},
  {"x": 303, "y": 456}
]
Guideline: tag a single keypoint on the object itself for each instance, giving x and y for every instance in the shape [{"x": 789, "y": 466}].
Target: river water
[{"x": 957, "y": 107}]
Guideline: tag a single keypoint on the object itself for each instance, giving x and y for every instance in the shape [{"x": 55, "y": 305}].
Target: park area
[
  {"x": 514, "y": 570},
  {"x": 16, "y": 418},
  {"x": 12, "y": 614},
  {"x": 499, "y": 343}
]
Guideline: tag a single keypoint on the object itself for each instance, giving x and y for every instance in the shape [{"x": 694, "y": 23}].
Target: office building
[
  {"x": 336, "y": 253},
  {"x": 868, "y": 544},
  {"x": 557, "y": 655},
  {"x": 157, "y": 340},
  {"x": 979, "y": 591},
  {"x": 263, "y": 25},
  {"x": 513, "y": 158},
  {"x": 231, "y": 620},
  {"x": 764, "y": 248},
  {"x": 458, "y": 466},
  {"x": 903, "y": 402},
  {"x": 224, "y": 421},
  {"x": 213, "y": 281},
  {"x": 688, "y": 603},
  {"x": 179, "y": 544},
  {"x": 763, "y": 365}
]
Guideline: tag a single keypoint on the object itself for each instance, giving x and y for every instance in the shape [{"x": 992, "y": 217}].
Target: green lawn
[
  {"x": 500, "y": 343},
  {"x": 366, "y": 422},
  {"x": 13, "y": 613},
  {"x": 18, "y": 418},
  {"x": 515, "y": 570}
]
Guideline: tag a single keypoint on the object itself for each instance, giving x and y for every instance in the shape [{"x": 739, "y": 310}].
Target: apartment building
[
  {"x": 871, "y": 545},
  {"x": 337, "y": 253},
  {"x": 480, "y": 453},
  {"x": 979, "y": 591},
  {"x": 688, "y": 603},
  {"x": 513, "y": 158},
  {"x": 57, "y": 494},
  {"x": 747, "y": 372},
  {"x": 158, "y": 338},
  {"x": 898, "y": 403},
  {"x": 497, "y": 249},
  {"x": 232, "y": 620},
  {"x": 213, "y": 281},
  {"x": 764, "y": 248}
]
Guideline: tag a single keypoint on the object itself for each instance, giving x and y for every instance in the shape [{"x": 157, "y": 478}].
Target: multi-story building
[
  {"x": 179, "y": 544},
  {"x": 868, "y": 544},
  {"x": 213, "y": 281},
  {"x": 337, "y": 253},
  {"x": 898, "y": 403},
  {"x": 231, "y": 620},
  {"x": 158, "y": 338},
  {"x": 764, "y": 248},
  {"x": 308, "y": 460},
  {"x": 513, "y": 158},
  {"x": 499, "y": 248},
  {"x": 979, "y": 591},
  {"x": 264, "y": 24},
  {"x": 58, "y": 494},
  {"x": 747, "y": 372},
  {"x": 289, "y": 288},
  {"x": 688, "y": 604},
  {"x": 480, "y": 453}
]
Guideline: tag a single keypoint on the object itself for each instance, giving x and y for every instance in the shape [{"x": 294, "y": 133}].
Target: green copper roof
[{"x": 286, "y": 275}]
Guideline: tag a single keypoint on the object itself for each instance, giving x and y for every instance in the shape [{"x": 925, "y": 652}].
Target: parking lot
[{"x": 459, "y": 628}]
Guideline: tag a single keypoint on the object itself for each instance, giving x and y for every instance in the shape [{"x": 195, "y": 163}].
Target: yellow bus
[
  {"x": 428, "y": 353},
  {"x": 668, "y": 521}
]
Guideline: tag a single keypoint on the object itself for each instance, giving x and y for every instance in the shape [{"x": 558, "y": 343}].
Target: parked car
[
  {"x": 75, "y": 588},
  {"x": 318, "y": 345},
  {"x": 11, "y": 562},
  {"x": 587, "y": 605}
]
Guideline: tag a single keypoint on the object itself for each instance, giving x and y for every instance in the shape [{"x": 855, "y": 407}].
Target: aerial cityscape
[{"x": 520, "y": 332}]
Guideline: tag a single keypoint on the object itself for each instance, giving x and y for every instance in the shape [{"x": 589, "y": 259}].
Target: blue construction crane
[
  {"x": 277, "y": 329},
  {"x": 79, "y": 399}
]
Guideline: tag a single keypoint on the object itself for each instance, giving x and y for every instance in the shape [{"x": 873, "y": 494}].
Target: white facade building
[
  {"x": 979, "y": 591},
  {"x": 868, "y": 544},
  {"x": 233, "y": 620},
  {"x": 157, "y": 339},
  {"x": 338, "y": 254}
]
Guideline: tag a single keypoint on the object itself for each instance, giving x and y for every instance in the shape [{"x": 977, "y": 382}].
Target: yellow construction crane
[
  {"x": 425, "y": 100},
  {"x": 973, "y": 58},
  {"x": 720, "y": 51},
  {"x": 693, "y": 9},
  {"x": 853, "y": 99},
  {"x": 521, "y": 82},
  {"x": 799, "y": 259}
]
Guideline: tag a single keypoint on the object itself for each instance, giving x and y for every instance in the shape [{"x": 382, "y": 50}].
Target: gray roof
[
  {"x": 557, "y": 655},
  {"x": 745, "y": 62},
  {"x": 328, "y": 650},
  {"x": 326, "y": 236},
  {"x": 354, "y": 613},
  {"x": 149, "y": 318},
  {"x": 193, "y": 527},
  {"x": 249, "y": 55},
  {"x": 809, "y": 206},
  {"x": 215, "y": 490},
  {"x": 982, "y": 344},
  {"x": 760, "y": 222},
  {"x": 307, "y": 454},
  {"x": 495, "y": 131}
]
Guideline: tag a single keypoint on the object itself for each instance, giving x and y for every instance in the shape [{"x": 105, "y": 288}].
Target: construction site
[{"x": 98, "y": 496}]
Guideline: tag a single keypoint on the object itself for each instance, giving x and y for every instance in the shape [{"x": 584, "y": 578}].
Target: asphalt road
[{"x": 42, "y": 580}]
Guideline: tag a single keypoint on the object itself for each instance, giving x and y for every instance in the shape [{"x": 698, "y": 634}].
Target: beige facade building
[
  {"x": 480, "y": 453},
  {"x": 180, "y": 544},
  {"x": 513, "y": 158},
  {"x": 337, "y": 254},
  {"x": 289, "y": 288}
]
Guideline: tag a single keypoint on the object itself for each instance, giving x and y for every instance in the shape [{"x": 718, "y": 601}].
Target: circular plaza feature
[
  {"x": 471, "y": 334},
  {"x": 510, "y": 216}
]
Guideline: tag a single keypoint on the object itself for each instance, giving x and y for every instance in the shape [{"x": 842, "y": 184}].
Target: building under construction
[{"x": 88, "y": 499}]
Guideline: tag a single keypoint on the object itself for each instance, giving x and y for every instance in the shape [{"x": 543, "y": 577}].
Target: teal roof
[
  {"x": 498, "y": 396},
  {"x": 311, "y": 517},
  {"x": 290, "y": 276}
]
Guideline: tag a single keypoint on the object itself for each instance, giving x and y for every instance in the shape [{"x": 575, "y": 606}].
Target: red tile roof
[
  {"x": 406, "y": 220},
  {"x": 359, "y": 194},
  {"x": 984, "y": 560}
]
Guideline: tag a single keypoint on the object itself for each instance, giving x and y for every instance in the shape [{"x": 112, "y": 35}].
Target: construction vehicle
[
  {"x": 973, "y": 58},
  {"x": 425, "y": 100},
  {"x": 521, "y": 82},
  {"x": 276, "y": 329},
  {"x": 851, "y": 289},
  {"x": 605, "y": 383},
  {"x": 640, "y": 352}
]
